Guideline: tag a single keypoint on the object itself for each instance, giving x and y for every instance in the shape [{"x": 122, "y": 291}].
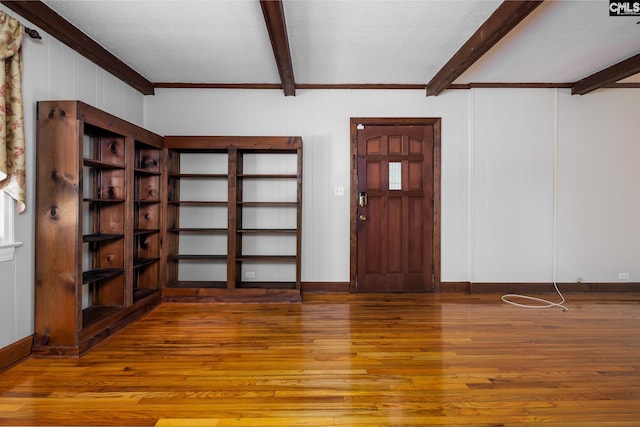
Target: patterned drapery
[{"x": 12, "y": 161}]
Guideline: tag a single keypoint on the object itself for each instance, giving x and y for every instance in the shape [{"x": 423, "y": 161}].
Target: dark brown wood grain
[
  {"x": 88, "y": 208},
  {"x": 58, "y": 194},
  {"x": 275, "y": 20},
  {"x": 15, "y": 352},
  {"x": 609, "y": 75},
  {"x": 431, "y": 252},
  {"x": 213, "y": 143},
  {"x": 395, "y": 228}
]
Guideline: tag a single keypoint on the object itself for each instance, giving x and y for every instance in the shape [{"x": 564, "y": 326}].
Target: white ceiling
[{"x": 352, "y": 41}]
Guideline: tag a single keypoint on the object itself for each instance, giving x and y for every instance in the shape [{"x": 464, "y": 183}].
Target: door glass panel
[{"x": 395, "y": 176}]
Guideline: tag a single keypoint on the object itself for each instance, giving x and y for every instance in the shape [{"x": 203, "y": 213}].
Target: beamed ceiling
[{"x": 435, "y": 45}]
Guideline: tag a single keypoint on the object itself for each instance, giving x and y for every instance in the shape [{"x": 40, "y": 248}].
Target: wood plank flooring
[{"x": 348, "y": 360}]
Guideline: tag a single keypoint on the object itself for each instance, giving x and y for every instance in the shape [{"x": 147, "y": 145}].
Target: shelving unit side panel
[
  {"x": 235, "y": 219},
  {"x": 171, "y": 167},
  {"x": 299, "y": 222},
  {"x": 58, "y": 198},
  {"x": 129, "y": 224}
]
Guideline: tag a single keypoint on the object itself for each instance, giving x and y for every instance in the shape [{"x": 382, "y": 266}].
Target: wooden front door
[{"x": 395, "y": 207}]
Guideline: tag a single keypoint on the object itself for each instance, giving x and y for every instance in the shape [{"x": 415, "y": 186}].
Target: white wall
[
  {"x": 51, "y": 70},
  {"x": 599, "y": 200},
  {"x": 502, "y": 151},
  {"x": 512, "y": 185},
  {"x": 321, "y": 117}
]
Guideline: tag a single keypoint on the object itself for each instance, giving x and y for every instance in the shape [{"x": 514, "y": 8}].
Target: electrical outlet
[
  {"x": 250, "y": 274},
  {"x": 623, "y": 276}
]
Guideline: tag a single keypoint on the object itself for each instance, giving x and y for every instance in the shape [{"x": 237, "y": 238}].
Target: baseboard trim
[
  {"x": 455, "y": 287},
  {"x": 15, "y": 353},
  {"x": 325, "y": 287},
  {"x": 252, "y": 295},
  {"x": 491, "y": 287},
  {"x": 538, "y": 287}
]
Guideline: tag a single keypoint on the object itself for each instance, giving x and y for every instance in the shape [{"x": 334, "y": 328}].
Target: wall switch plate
[
  {"x": 623, "y": 276},
  {"x": 250, "y": 274},
  {"x": 338, "y": 191}
]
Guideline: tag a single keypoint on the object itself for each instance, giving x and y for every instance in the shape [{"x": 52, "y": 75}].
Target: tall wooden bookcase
[
  {"x": 234, "y": 218},
  {"x": 99, "y": 222}
]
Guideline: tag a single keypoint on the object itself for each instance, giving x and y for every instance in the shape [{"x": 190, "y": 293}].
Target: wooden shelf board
[
  {"x": 147, "y": 172},
  {"x": 267, "y": 258},
  {"x": 268, "y": 204},
  {"x": 100, "y": 164},
  {"x": 184, "y": 284},
  {"x": 266, "y": 285},
  {"x": 197, "y": 257},
  {"x": 267, "y": 176},
  {"x": 141, "y": 262},
  {"x": 98, "y": 274},
  {"x": 93, "y": 314},
  {"x": 94, "y": 200},
  {"x": 198, "y": 230},
  {"x": 199, "y": 175},
  {"x": 92, "y": 238},
  {"x": 139, "y": 294},
  {"x": 144, "y": 232},
  {"x": 198, "y": 203},
  {"x": 267, "y": 230}
]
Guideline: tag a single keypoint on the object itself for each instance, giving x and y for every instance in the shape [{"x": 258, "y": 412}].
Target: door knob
[{"x": 363, "y": 218}]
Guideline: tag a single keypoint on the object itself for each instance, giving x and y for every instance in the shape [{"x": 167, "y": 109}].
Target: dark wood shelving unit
[
  {"x": 123, "y": 223},
  {"x": 87, "y": 259},
  {"x": 241, "y": 178}
]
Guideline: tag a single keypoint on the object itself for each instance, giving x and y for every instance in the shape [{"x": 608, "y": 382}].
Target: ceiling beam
[
  {"x": 616, "y": 72},
  {"x": 502, "y": 20},
  {"x": 44, "y": 17},
  {"x": 273, "y": 12}
]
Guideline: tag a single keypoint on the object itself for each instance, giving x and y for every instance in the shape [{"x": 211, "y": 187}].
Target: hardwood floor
[{"x": 348, "y": 360}]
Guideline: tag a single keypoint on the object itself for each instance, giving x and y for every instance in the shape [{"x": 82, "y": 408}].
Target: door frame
[{"x": 353, "y": 204}]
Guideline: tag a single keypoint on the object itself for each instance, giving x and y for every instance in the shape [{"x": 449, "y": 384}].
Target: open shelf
[
  {"x": 96, "y": 313},
  {"x": 99, "y": 274},
  {"x": 97, "y": 164},
  {"x": 193, "y": 284},
  {"x": 95, "y": 238}
]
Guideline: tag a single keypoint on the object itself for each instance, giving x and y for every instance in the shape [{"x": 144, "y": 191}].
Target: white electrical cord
[{"x": 546, "y": 303}]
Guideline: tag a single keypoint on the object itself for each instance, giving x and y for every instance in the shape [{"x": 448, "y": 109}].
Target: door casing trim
[{"x": 353, "y": 205}]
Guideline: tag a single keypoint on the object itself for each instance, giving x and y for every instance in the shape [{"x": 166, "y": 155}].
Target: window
[
  {"x": 4, "y": 228},
  {"x": 7, "y": 243}
]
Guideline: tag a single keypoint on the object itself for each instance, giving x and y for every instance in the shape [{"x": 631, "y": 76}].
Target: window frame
[{"x": 7, "y": 226}]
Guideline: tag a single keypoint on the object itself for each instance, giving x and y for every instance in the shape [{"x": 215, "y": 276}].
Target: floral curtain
[{"x": 12, "y": 173}]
